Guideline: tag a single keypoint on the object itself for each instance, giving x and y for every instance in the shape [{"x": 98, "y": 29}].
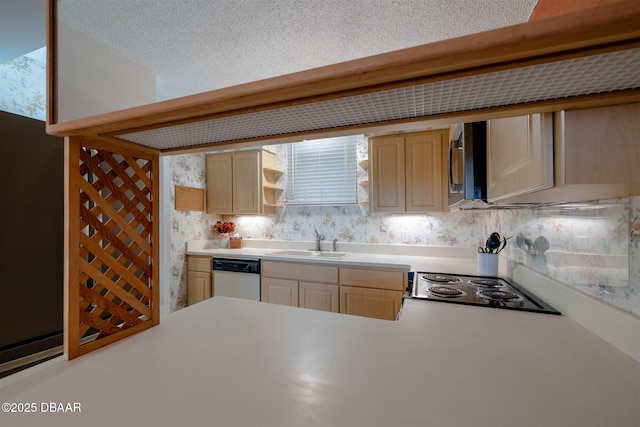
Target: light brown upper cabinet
[
  {"x": 406, "y": 172},
  {"x": 599, "y": 147},
  {"x": 242, "y": 183},
  {"x": 519, "y": 156},
  {"x": 596, "y": 155}
]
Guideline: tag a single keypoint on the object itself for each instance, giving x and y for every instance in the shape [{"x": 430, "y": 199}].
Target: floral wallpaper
[
  {"x": 23, "y": 87},
  {"x": 594, "y": 248},
  {"x": 348, "y": 223}
]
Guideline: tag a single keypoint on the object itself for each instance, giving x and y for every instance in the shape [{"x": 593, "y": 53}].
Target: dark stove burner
[
  {"x": 502, "y": 296},
  {"x": 440, "y": 278},
  {"x": 486, "y": 283},
  {"x": 446, "y": 292}
]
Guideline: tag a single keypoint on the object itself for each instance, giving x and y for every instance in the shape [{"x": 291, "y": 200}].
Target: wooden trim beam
[
  {"x": 547, "y": 8},
  {"x": 52, "y": 61},
  {"x": 71, "y": 313},
  {"x": 575, "y": 33},
  {"x": 155, "y": 239}
]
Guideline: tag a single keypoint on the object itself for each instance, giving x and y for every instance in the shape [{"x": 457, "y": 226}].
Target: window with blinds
[{"x": 323, "y": 172}]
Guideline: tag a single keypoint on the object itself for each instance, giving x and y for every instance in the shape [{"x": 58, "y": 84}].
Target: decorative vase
[{"x": 223, "y": 242}]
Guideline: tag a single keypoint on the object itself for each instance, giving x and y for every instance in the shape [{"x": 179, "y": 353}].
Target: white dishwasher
[{"x": 238, "y": 278}]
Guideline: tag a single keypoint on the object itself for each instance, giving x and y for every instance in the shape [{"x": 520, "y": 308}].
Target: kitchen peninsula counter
[{"x": 228, "y": 362}]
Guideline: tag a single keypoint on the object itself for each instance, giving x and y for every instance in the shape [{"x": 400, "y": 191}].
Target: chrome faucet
[
  {"x": 335, "y": 245},
  {"x": 319, "y": 237}
]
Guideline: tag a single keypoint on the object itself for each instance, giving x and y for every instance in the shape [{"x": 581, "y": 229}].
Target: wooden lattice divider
[{"x": 111, "y": 221}]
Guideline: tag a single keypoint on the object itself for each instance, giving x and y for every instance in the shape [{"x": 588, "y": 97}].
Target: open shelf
[
  {"x": 272, "y": 170},
  {"x": 273, "y": 187}
]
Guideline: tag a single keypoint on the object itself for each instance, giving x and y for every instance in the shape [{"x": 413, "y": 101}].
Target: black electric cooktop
[{"x": 494, "y": 292}]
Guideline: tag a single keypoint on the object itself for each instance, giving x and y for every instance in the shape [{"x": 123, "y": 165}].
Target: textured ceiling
[{"x": 200, "y": 45}]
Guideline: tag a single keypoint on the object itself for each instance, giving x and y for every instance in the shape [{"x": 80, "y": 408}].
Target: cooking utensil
[
  {"x": 504, "y": 243},
  {"x": 482, "y": 250},
  {"x": 493, "y": 242}
]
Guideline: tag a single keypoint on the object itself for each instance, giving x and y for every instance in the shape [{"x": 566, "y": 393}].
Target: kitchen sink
[{"x": 334, "y": 255}]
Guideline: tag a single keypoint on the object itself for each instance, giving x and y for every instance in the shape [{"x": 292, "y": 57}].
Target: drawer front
[
  {"x": 199, "y": 263},
  {"x": 376, "y": 303},
  {"x": 300, "y": 271},
  {"x": 374, "y": 278}
]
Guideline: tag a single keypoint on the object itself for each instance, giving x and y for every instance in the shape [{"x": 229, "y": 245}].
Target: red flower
[{"x": 224, "y": 227}]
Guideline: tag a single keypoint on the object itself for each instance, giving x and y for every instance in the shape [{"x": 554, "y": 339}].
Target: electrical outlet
[
  {"x": 582, "y": 243},
  {"x": 288, "y": 234},
  {"x": 404, "y": 236}
]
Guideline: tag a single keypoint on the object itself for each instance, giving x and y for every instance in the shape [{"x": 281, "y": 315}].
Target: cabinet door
[
  {"x": 219, "y": 184},
  {"x": 247, "y": 191},
  {"x": 279, "y": 291},
  {"x": 386, "y": 174},
  {"x": 424, "y": 171},
  {"x": 519, "y": 155},
  {"x": 377, "y": 303},
  {"x": 198, "y": 286},
  {"x": 601, "y": 145},
  {"x": 319, "y": 296}
]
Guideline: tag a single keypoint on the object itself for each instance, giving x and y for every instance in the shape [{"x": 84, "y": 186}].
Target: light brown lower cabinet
[
  {"x": 372, "y": 291},
  {"x": 279, "y": 291},
  {"x": 362, "y": 291},
  {"x": 299, "y": 284},
  {"x": 319, "y": 296},
  {"x": 199, "y": 286},
  {"x": 367, "y": 302}
]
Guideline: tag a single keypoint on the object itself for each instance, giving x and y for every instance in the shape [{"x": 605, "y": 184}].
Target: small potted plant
[{"x": 224, "y": 228}]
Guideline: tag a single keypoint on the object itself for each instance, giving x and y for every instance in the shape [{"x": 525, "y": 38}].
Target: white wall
[{"x": 93, "y": 79}]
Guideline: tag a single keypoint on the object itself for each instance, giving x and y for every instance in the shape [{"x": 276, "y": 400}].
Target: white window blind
[{"x": 323, "y": 172}]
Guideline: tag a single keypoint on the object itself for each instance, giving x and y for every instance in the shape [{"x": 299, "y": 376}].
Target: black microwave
[{"x": 468, "y": 166}]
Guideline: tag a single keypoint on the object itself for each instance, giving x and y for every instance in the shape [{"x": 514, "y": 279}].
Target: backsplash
[{"x": 595, "y": 250}]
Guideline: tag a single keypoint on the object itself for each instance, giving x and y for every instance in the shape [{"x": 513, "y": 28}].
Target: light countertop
[
  {"x": 432, "y": 259},
  {"x": 230, "y": 362}
]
